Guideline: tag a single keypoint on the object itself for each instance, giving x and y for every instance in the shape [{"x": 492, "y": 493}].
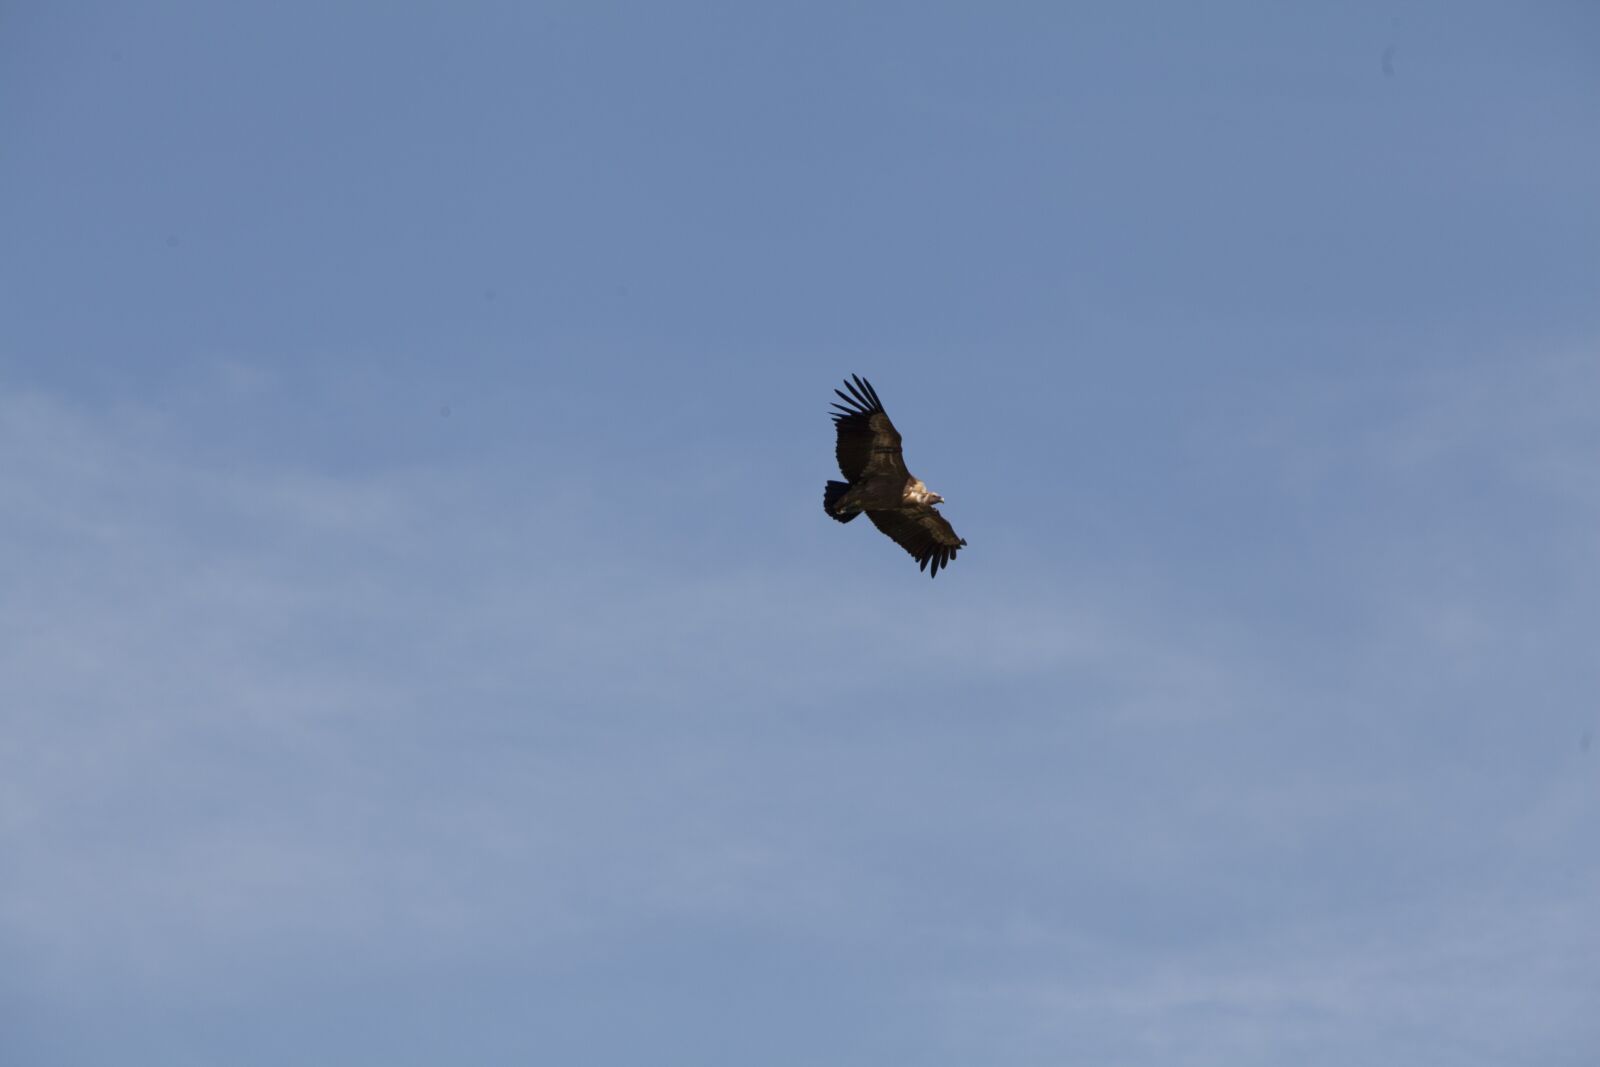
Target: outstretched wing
[
  {"x": 868, "y": 441},
  {"x": 921, "y": 531}
]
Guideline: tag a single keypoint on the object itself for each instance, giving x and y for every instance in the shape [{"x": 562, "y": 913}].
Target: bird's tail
[{"x": 830, "y": 499}]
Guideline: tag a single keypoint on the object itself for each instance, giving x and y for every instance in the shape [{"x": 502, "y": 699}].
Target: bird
[{"x": 868, "y": 450}]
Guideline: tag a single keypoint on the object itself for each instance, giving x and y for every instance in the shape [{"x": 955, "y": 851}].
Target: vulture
[{"x": 878, "y": 483}]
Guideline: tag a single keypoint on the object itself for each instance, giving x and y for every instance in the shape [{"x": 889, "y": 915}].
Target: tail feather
[{"x": 831, "y": 497}]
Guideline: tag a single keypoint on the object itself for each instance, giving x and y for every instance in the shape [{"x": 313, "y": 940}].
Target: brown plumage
[{"x": 878, "y": 483}]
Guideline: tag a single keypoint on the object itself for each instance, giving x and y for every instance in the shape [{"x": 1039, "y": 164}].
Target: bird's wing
[
  {"x": 868, "y": 441},
  {"x": 921, "y": 531}
]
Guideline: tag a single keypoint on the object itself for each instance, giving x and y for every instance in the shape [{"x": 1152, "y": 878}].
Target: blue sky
[{"x": 421, "y": 640}]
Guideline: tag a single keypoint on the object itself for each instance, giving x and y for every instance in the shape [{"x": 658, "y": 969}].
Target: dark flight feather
[
  {"x": 867, "y": 440},
  {"x": 925, "y": 534}
]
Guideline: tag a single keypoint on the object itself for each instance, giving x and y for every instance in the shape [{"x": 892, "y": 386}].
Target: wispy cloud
[
  {"x": 254, "y": 709},
  {"x": 1471, "y": 980}
]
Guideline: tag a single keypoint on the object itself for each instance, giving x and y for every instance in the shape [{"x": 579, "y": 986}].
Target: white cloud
[
  {"x": 1470, "y": 979},
  {"x": 261, "y": 711}
]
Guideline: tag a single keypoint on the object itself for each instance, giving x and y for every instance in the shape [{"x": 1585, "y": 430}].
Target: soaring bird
[{"x": 879, "y": 484}]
